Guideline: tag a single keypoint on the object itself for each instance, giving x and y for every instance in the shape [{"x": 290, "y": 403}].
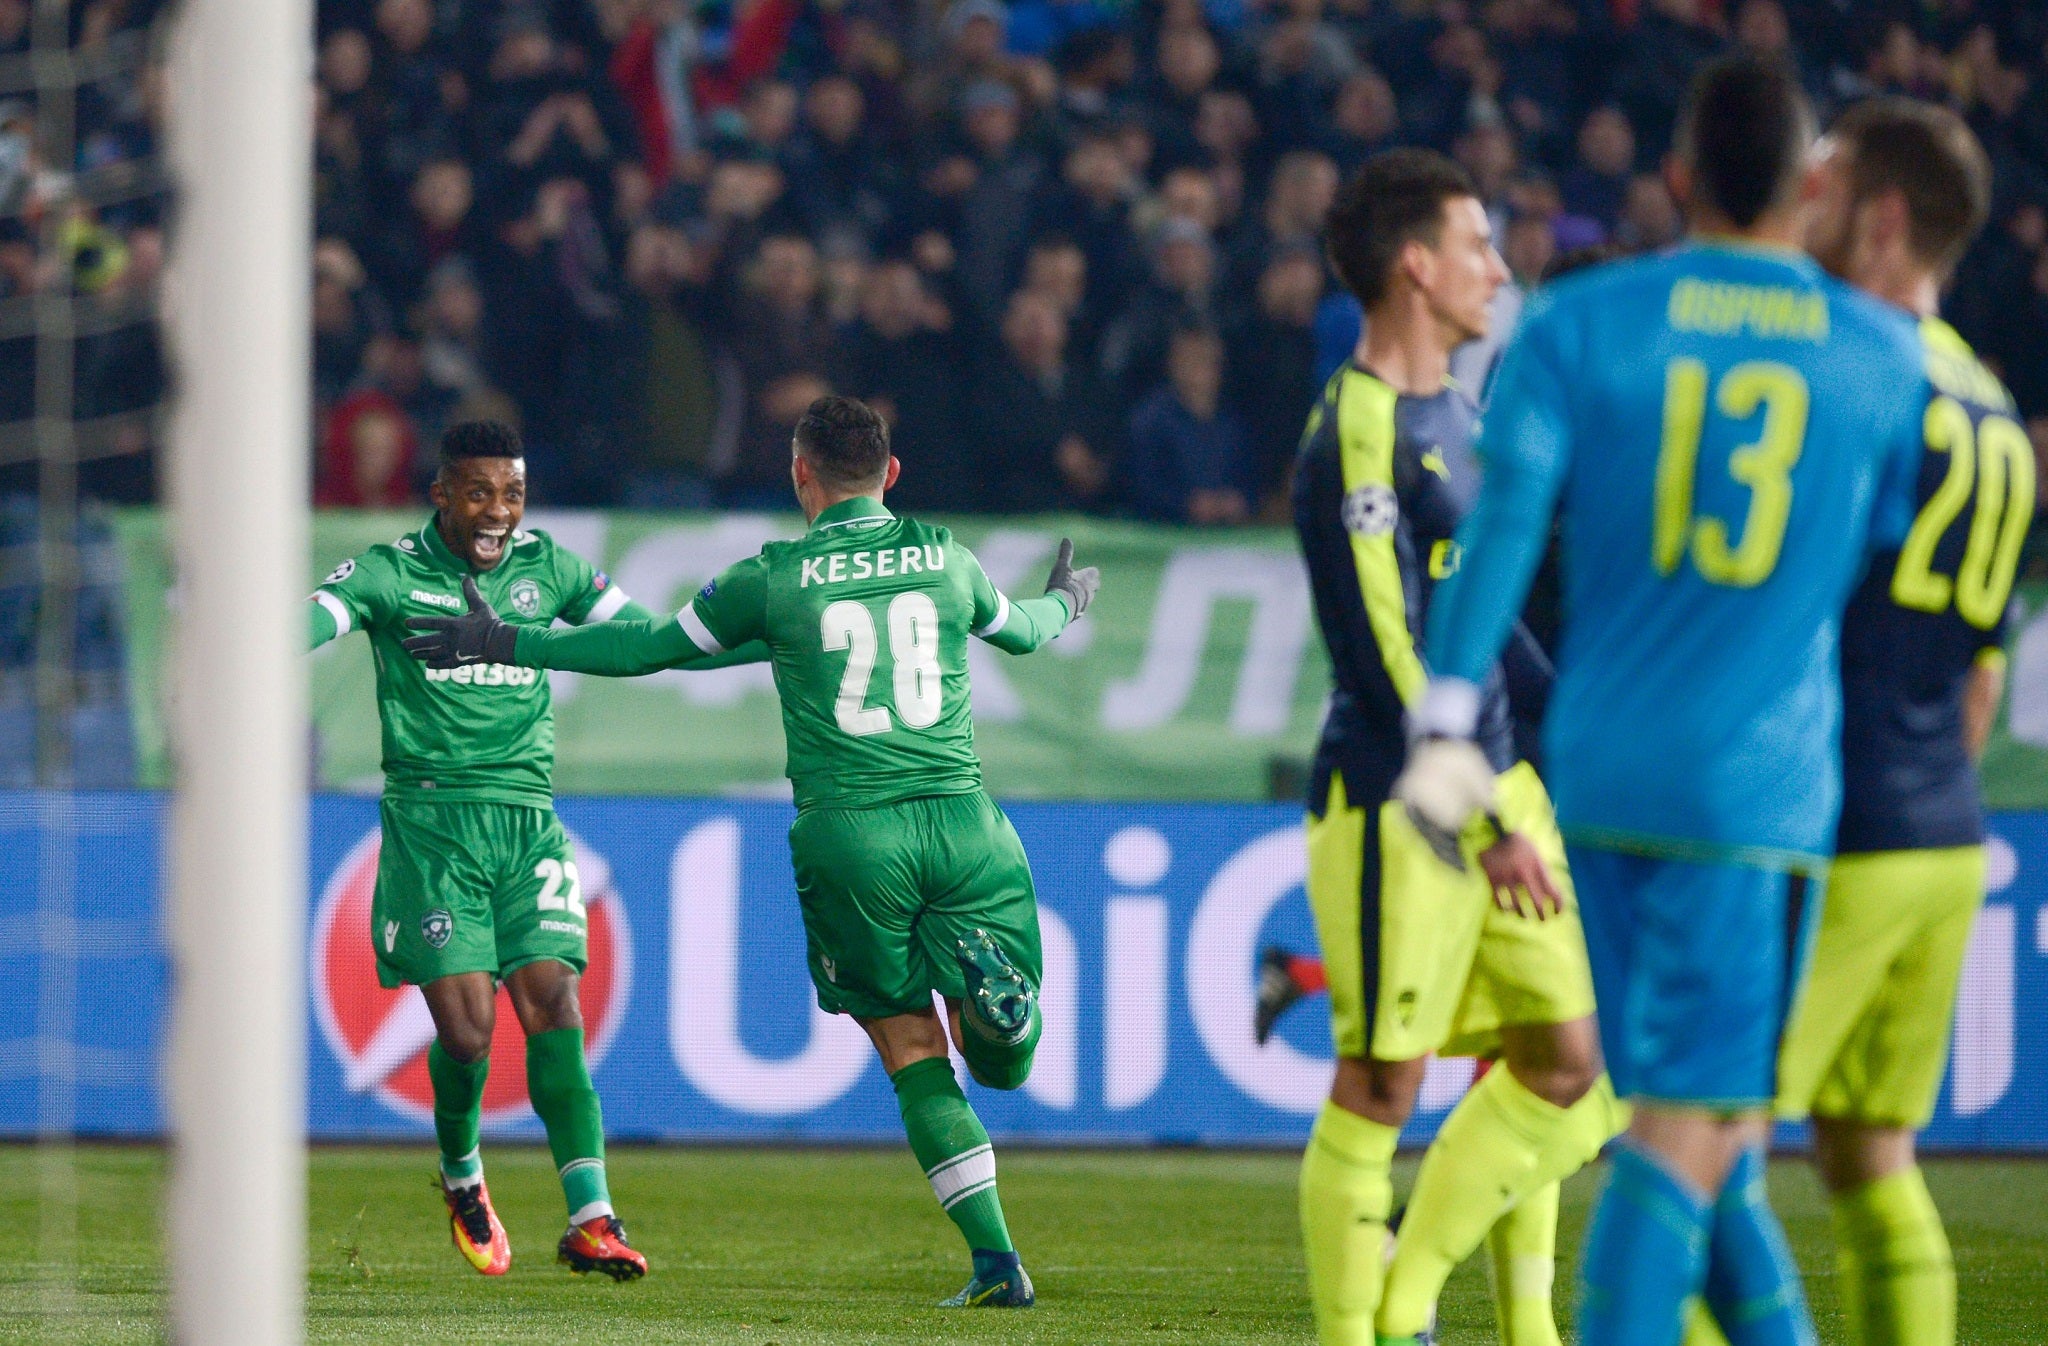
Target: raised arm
[
  {"x": 1021, "y": 626},
  {"x": 357, "y": 593}
]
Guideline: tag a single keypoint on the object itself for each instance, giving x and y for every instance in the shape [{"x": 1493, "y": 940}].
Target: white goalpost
[{"x": 238, "y": 320}]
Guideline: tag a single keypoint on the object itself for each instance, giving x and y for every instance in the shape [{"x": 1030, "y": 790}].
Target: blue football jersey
[{"x": 1726, "y": 433}]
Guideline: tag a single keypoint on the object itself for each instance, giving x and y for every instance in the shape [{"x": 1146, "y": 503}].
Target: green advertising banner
[{"x": 1196, "y": 675}]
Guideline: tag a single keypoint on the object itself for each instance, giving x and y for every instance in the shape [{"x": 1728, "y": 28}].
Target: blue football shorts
[{"x": 1695, "y": 967}]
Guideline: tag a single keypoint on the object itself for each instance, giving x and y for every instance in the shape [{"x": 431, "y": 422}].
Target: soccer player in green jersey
[
  {"x": 910, "y": 878},
  {"x": 476, "y": 882}
]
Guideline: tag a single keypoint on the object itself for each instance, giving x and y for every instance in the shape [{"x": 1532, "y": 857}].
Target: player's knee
[
  {"x": 544, "y": 996},
  {"x": 1380, "y": 1091},
  {"x": 467, "y": 1040},
  {"x": 1560, "y": 1083},
  {"x": 1848, "y": 1154}
]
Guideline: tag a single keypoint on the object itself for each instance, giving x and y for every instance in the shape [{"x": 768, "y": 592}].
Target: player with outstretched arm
[
  {"x": 1727, "y": 433},
  {"x": 911, "y": 881},
  {"x": 476, "y": 883}
]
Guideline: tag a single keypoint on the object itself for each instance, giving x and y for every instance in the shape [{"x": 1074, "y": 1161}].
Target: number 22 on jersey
[
  {"x": 913, "y": 621},
  {"x": 1764, "y": 466},
  {"x": 1995, "y": 457}
]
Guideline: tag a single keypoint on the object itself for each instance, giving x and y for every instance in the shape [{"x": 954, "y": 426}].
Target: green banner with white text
[{"x": 1197, "y": 674}]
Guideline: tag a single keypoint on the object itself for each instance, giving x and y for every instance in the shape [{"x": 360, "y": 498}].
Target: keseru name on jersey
[
  {"x": 486, "y": 675},
  {"x": 860, "y": 565}
]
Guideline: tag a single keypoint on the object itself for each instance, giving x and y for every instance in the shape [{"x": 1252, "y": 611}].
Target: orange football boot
[
  {"x": 600, "y": 1245},
  {"x": 474, "y": 1227}
]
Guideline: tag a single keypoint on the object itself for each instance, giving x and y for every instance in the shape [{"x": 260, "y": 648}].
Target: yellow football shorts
[
  {"x": 1869, "y": 1035},
  {"x": 1419, "y": 958}
]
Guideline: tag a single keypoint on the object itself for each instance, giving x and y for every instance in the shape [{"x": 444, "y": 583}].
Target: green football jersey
[
  {"x": 866, "y": 620},
  {"x": 485, "y": 733}
]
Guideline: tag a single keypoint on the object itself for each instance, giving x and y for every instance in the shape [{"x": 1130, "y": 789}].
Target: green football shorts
[
  {"x": 888, "y": 891},
  {"x": 464, "y": 887}
]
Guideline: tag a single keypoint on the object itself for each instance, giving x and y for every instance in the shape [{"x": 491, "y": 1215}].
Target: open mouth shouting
[{"x": 487, "y": 546}]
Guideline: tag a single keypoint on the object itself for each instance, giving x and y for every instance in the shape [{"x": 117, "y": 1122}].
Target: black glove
[
  {"x": 1078, "y": 585},
  {"x": 476, "y": 637}
]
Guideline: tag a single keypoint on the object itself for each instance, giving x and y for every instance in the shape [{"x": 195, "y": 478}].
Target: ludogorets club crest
[
  {"x": 436, "y": 927},
  {"x": 526, "y": 598},
  {"x": 1371, "y": 511}
]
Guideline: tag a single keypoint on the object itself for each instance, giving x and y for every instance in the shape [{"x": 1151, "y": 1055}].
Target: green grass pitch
[{"x": 806, "y": 1247}]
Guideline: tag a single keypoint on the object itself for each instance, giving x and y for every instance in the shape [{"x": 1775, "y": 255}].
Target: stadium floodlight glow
[{"x": 239, "y": 304}]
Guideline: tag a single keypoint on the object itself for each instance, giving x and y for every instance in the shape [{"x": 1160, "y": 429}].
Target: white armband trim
[
  {"x": 335, "y": 609},
  {"x": 1449, "y": 708},
  {"x": 997, "y": 622},
  {"x": 607, "y": 607},
  {"x": 693, "y": 627}
]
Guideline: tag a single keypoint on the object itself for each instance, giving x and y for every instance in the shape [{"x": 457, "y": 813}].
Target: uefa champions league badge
[{"x": 526, "y": 598}]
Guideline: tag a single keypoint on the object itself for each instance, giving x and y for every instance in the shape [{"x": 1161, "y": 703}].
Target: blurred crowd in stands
[{"x": 1069, "y": 246}]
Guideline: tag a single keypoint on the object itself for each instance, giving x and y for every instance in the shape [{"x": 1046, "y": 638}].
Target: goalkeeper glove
[
  {"x": 1446, "y": 783},
  {"x": 1079, "y": 586},
  {"x": 478, "y": 636}
]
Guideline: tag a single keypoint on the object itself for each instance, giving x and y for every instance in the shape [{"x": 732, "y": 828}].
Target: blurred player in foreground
[
  {"x": 1728, "y": 433},
  {"x": 476, "y": 882},
  {"x": 1902, "y": 187},
  {"x": 912, "y": 881},
  {"x": 1471, "y": 947}
]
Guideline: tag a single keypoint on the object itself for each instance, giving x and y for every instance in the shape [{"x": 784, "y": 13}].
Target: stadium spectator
[
  {"x": 782, "y": 343},
  {"x": 1188, "y": 458},
  {"x": 1045, "y": 421},
  {"x": 1597, "y": 185},
  {"x": 367, "y": 454},
  {"x": 567, "y": 202},
  {"x": 904, "y": 358}
]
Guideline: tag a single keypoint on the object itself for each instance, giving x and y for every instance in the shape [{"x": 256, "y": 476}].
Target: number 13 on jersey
[{"x": 1764, "y": 466}]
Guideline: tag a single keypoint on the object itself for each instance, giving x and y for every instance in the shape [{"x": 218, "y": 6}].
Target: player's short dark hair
[
  {"x": 1395, "y": 199},
  {"x": 480, "y": 439},
  {"x": 1927, "y": 154},
  {"x": 1744, "y": 133},
  {"x": 846, "y": 442}
]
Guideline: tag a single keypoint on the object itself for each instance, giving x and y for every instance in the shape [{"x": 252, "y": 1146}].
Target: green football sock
[
  {"x": 993, "y": 1063},
  {"x": 1347, "y": 1188},
  {"x": 1523, "y": 1244},
  {"x": 1486, "y": 1158},
  {"x": 558, "y": 1080},
  {"x": 458, "y": 1113},
  {"x": 1898, "y": 1277},
  {"x": 953, "y": 1150}
]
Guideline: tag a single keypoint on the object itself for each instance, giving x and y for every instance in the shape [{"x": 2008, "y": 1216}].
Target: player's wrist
[{"x": 1449, "y": 708}]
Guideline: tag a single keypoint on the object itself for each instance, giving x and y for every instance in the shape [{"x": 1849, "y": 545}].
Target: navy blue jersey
[
  {"x": 1382, "y": 482},
  {"x": 1929, "y": 611}
]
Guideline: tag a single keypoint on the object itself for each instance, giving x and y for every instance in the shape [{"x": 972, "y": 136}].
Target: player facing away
[
  {"x": 1903, "y": 187},
  {"x": 911, "y": 880},
  {"x": 476, "y": 882},
  {"x": 1471, "y": 949},
  {"x": 1727, "y": 433}
]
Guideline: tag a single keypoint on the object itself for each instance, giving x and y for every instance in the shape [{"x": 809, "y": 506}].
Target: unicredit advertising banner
[{"x": 701, "y": 1019}]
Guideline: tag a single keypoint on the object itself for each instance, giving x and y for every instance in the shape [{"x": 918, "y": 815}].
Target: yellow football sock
[
  {"x": 1347, "y": 1188},
  {"x": 1499, "y": 1144},
  {"x": 1481, "y": 1163},
  {"x": 1700, "y": 1327},
  {"x": 1898, "y": 1277},
  {"x": 1524, "y": 1247}
]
